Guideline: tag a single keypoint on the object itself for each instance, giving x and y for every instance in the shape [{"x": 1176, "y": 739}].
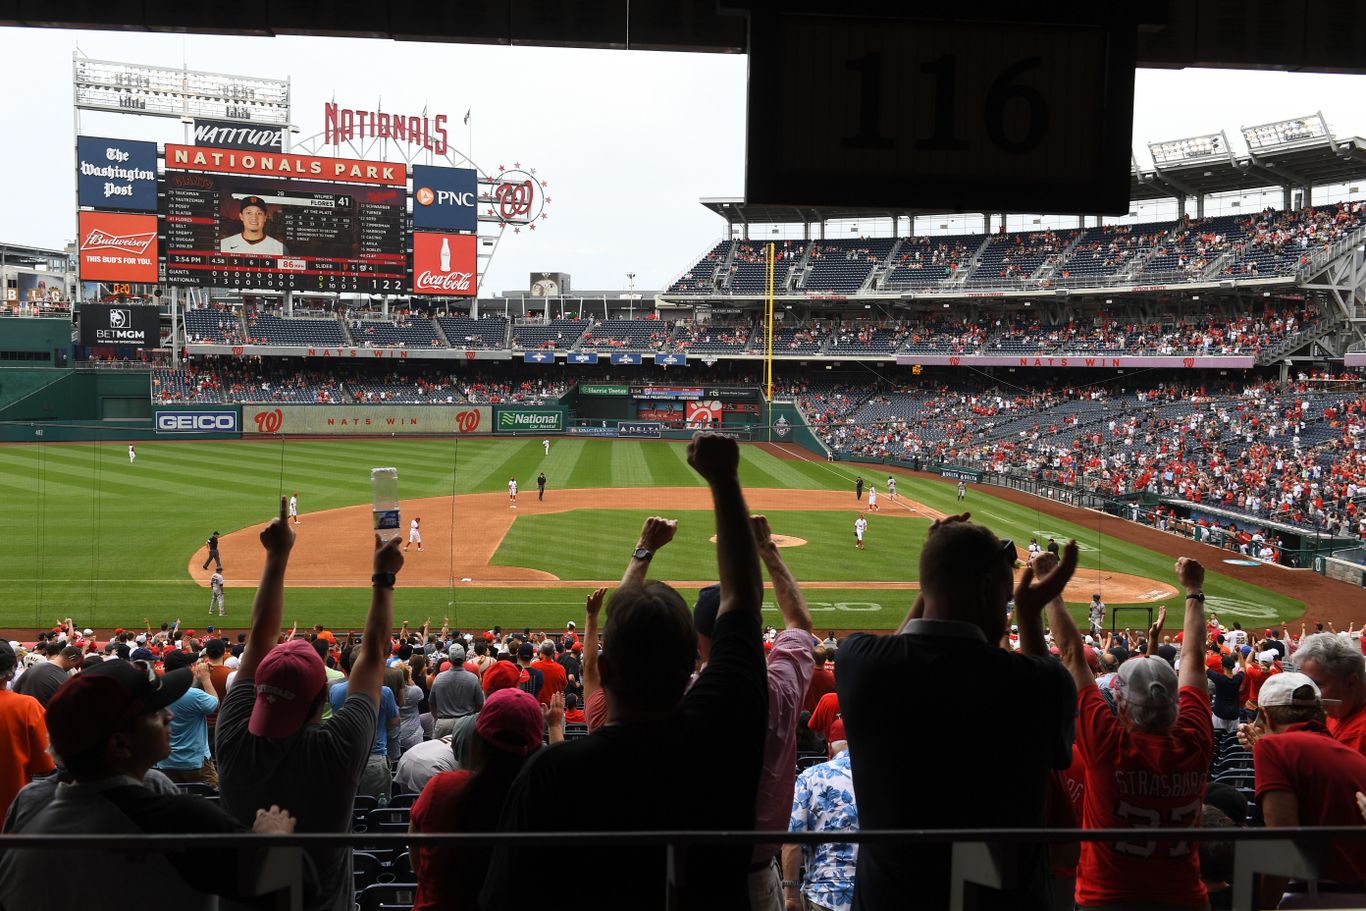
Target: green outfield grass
[
  {"x": 587, "y": 544},
  {"x": 84, "y": 534}
]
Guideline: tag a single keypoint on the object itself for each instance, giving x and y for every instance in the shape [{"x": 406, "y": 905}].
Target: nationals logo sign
[
  {"x": 269, "y": 421},
  {"x": 445, "y": 264},
  {"x": 118, "y": 248},
  {"x": 704, "y": 413}
]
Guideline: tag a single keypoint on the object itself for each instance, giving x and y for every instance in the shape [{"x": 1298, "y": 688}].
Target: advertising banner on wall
[
  {"x": 266, "y": 164},
  {"x": 342, "y": 420},
  {"x": 1076, "y": 360},
  {"x": 226, "y": 134},
  {"x": 444, "y": 199},
  {"x": 649, "y": 430},
  {"x": 209, "y": 420},
  {"x": 704, "y": 413},
  {"x": 600, "y": 389},
  {"x": 127, "y": 325},
  {"x": 445, "y": 264},
  {"x": 666, "y": 393},
  {"x": 625, "y": 357},
  {"x": 118, "y": 248},
  {"x": 116, "y": 173},
  {"x": 529, "y": 420},
  {"x": 581, "y": 357},
  {"x": 671, "y": 360}
]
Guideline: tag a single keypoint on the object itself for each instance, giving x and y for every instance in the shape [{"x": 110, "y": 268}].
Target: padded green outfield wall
[{"x": 81, "y": 404}]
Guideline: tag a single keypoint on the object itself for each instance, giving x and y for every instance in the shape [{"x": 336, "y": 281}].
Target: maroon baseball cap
[
  {"x": 91, "y": 707},
  {"x": 511, "y": 720},
  {"x": 500, "y": 676},
  {"x": 288, "y": 679}
]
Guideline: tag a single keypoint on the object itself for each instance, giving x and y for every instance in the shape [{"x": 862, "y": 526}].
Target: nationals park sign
[{"x": 348, "y": 420}]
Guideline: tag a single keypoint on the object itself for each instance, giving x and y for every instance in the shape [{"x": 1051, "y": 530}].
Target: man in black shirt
[
  {"x": 976, "y": 709},
  {"x": 43, "y": 680},
  {"x": 109, "y": 725},
  {"x": 663, "y": 759},
  {"x": 540, "y": 486},
  {"x": 213, "y": 553}
]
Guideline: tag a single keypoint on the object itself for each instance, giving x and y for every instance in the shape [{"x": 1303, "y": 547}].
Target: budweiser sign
[
  {"x": 133, "y": 243},
  {"x": 115, "y": 247},
  {"x": 445, "y": 264}
]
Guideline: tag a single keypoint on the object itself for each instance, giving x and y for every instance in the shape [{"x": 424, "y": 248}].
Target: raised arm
[
  {"x": 590, "y": 643},
  {"x": 717, "y": 459},
  {"x": 1192, "y": 578},
  {"x": 278, "y": 539},
  {"x": 1033, "y": 594},
  {"x": 1156, "y": 629},
  {"x": 791, "y": 603},
  {"x": 367, "y": 671},
  {"x": 654, "y": 534},
  {"x": 1071, "y": 648}
]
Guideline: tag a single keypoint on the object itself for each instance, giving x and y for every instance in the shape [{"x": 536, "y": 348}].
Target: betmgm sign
[{"x": 114, "y": 325}]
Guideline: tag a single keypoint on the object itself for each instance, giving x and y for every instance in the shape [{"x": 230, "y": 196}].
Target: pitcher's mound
[{"x": 780, "y": 540}]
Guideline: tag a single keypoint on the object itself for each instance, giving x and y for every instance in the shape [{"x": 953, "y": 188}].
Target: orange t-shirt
[
  {"x": 554, "y": 679},
  {"x": 23, "y": 744}
]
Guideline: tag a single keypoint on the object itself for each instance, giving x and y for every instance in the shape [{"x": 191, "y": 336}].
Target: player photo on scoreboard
[{"x": 255, "y": 239}]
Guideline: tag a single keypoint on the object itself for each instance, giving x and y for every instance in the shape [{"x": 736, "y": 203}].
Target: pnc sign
[{"x": 444, "y": 199}]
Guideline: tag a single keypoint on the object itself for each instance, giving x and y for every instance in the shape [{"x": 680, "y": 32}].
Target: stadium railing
[{"x": 981, "y": 858}]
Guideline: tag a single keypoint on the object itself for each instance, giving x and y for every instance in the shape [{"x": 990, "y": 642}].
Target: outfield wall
[{"x": 77, "y": 404}]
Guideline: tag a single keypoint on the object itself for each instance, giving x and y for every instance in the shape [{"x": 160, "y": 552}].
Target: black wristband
[{"x": 383, "y": 580}]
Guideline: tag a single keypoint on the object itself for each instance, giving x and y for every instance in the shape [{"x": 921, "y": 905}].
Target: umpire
[
  {"x": 213, "y": 553},
  {"x": 540, "y": 486}
]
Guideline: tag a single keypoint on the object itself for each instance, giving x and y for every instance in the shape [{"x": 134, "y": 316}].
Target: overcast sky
[{"x": 627, "y": 140}]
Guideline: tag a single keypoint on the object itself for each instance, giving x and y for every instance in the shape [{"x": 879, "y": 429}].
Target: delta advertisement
[
  {"x": 529, "y": 420},
  {"x": 118, "y": 248},
  {"x": 116, "y": 173},
  {"x": 650, "y": 430},
  {"x": 346, "y": 420},
  {"x": 122, "y": 325}
]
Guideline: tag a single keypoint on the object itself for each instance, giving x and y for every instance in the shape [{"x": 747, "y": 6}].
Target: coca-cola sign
[{"x": 445, "y": 264}]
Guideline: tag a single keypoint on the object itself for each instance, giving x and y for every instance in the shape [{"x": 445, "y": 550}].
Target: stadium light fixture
[
  {"x": 1191, "y": 149},
  {"x": 1294, "y": 131}
]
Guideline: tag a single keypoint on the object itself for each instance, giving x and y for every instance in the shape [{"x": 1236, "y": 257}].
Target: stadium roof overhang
[
  {"x": 25, "y": 256},
  {"x": 1318, "y": 163}
]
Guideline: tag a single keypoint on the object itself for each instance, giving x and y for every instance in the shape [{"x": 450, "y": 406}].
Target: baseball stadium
[{"x": 277, "y": 402}]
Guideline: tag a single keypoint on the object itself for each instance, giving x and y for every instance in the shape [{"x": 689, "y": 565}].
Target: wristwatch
[
  {"x": 1198, "y": 596},
  {"x": 641, "y": 553},
  {"x": 383, "y": 580}
]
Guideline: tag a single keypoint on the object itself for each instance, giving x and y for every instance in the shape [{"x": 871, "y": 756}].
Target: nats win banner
[{"x": 342, "y": 420}]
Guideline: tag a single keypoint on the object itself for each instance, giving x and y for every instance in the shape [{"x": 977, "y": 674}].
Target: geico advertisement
[
  {"x": 196, "y": 422},
  {"x": 363, "y": 419}
]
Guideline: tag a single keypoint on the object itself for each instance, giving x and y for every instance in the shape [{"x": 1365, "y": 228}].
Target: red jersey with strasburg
[{"x": 1142, "y": 781}]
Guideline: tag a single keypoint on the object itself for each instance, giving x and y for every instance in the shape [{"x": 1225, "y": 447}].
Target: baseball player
[
  {"x": 294, "y": 507},
  {"x": 962, "y": 491},
  {"x": 860, "y": 526},
  {"x": 512, "y": 493},
  {"x": 132, "y": 453},
  {"x": 545, "y": 444},
  {"x": 414, "y": 535},
  {"x": 216, "y": 593},
  {"x": 213, "y": 553},
  {"x": 891, "y": 487},
  {"x": 1034, "y": 549},
  {"x": 872, "y": 498},
  {"x": 1097, "y": 614}
]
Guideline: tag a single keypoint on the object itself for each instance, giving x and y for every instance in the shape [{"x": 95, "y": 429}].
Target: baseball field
[{"x": 88, "y": 535}]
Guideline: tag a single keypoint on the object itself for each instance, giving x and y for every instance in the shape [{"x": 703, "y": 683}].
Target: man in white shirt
[
  {"x": 512, "y": 493},
  {"x": 253, "y": 241},
  {"x": 546, "y": 445},
  {"x": 860, "y": 526}
]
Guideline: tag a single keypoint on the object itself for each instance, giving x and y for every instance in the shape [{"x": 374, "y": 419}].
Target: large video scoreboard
[{"x": 226, "y": 226}]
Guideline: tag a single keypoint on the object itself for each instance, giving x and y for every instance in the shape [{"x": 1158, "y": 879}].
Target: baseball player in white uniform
[
  {"x": 860, "y": 526},
  {"x": 294, "y": 507},
  {"x": 546, "y": 445},
  {"x": 512, "y": 493},
  {"x": 414, "y": 534},
  {"x": 891, "y": 487},
  {"x": 132, "y": 453},
  {"x": 872, "y": 498},
  {"x": 962, "y": 490},
  {"x": 1034, "y": 549},
  {"x": 216, "y": 593}
]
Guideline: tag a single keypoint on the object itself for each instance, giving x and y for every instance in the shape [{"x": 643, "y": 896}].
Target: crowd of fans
[{"x": 663, "y": 717}]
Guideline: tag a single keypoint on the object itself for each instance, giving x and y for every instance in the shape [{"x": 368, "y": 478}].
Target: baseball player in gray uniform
[{"x": 216, "y": 593}]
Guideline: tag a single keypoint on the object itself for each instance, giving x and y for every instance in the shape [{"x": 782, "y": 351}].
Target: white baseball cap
[
  {"x": 1291, "y": 688},
  {"x": 87, "y": 632}
]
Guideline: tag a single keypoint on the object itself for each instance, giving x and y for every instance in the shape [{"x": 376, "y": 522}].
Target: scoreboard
[{"x": 316, "y": 236}]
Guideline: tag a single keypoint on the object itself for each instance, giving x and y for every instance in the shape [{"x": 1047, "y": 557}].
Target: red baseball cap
[
  {"x": 511, "y": 720},
  {"x": 288, "y": 679},
  {"x": 500, "y": 676}
]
